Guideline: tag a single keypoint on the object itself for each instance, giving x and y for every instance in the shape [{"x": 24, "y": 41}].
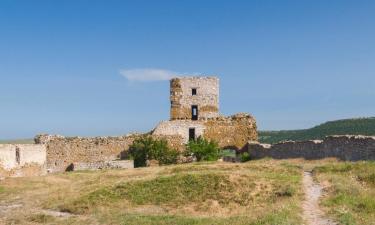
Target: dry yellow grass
[{"x": 259, "y": 192}]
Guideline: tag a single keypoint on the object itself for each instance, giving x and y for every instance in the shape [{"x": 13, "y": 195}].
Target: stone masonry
[
  {"x": 195, "y": 112},
  {"x": 65, "y": 153},
  {"x": 22, "y": 159},
  {"x": 186, "y": 92},
  {"x": 343, "y": 147}
]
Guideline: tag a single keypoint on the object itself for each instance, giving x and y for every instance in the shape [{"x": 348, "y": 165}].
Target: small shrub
[
  {"x": 203, "y": 149},
  {"x": 369, "y": 178},
  {"x": 146, "y": 148},
  {"x": 245, "y": 157}
]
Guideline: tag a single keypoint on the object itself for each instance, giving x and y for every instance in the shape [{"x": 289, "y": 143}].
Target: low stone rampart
[
  {"x": 343, "y": 147},
  {"x": 63, "y": 152},
  {"x": 232, "y": 132},
  {"x": 20, "y": 159}
]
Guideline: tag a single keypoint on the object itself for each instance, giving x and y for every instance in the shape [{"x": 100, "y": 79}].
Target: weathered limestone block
[
  {"x": 232, "y": 132},
  {"x": 206, "y": 98},
  {"x": 22, "y": 159},
  {"x": 8, "y": 156},
  {"x": 64, "y": 151},
  {"x": 179, "y": 128},
  {"x": 174, "y": 141}
]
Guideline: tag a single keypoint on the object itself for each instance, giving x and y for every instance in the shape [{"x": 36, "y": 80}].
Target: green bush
[
  {"x": 146, "y": 148},
  {"x": 203, "y": 149},
  {"x": 245, "y": 157}
]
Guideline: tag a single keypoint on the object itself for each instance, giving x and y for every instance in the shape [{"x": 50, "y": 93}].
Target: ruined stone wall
[
  {"x": 63, "y": 152},
  {"x": 18, "y": 155},
  {"x": 230, "y": 132},
  {"x": 21, "y": 159},
  {"x": 207, "y": 97},
  {"x": 180, "y": 128},
  {"x": 350, "y": 148},
  {"x": 8, "y": 156}
]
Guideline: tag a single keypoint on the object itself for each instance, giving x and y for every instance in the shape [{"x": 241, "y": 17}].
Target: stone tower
[
  {"x": 194, "y": 98},
  {"x": 195, "y": 113}
]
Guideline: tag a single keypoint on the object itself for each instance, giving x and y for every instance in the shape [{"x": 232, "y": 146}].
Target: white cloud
[{"x": 143, "y": 75}]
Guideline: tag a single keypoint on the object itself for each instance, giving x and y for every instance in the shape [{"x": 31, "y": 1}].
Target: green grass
[
  {"x": 351, "y": 196},
  {"x": 183, "y": 189},
  {"x": 361, "y": 126},
  {"x": 177, "y": 189},
  {"x": 256, "y": 192}
]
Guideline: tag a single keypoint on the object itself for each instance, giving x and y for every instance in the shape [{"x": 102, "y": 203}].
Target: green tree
[
  {"x": 203, "y": 149},
  {"x": 146, "y": 148}
]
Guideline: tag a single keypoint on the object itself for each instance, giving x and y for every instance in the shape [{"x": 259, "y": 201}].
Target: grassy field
[
  {"x": 207, "y": 193},
  {"x": 256, "y": 193},
  {"x": 361, "y": 126},
  {"x": 350, "y": 191}
]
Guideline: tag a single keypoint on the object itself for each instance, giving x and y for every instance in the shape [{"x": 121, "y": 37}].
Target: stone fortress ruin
[{"x": 194, "y": 112}]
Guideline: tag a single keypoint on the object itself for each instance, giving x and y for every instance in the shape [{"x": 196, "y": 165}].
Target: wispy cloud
[{"x": 144, "y": 75}]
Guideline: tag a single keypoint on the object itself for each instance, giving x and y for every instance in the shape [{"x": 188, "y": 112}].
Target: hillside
[{"x": 360, "y": 126}]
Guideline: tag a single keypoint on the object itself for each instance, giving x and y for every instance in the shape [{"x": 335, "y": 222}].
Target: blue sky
[{"x": 292, "y": 64}]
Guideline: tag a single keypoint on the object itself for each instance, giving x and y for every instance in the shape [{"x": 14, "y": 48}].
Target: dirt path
[{"x": 312, "y": 214}]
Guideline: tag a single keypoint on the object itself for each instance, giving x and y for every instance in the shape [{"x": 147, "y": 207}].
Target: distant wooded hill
[{"x": 360, "y": 126}]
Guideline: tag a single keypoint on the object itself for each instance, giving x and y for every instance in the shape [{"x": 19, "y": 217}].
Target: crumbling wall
[
  {"x": 207, "y": 97},
  {"x": 63, "y": 152},
  {"x": 345, "y": 147},
  {"x": 180, "y": 128},
  {"x": 22, "y": 159},
  {"x": 232, "y": 132},
  {"x": 174, "y": 141},
  {"x": 8, "y": 156},
  {"x": 32, "y": 153}
]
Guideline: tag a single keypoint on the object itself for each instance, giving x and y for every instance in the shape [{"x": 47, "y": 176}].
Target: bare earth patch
[{"x": 312, "y": 214}]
